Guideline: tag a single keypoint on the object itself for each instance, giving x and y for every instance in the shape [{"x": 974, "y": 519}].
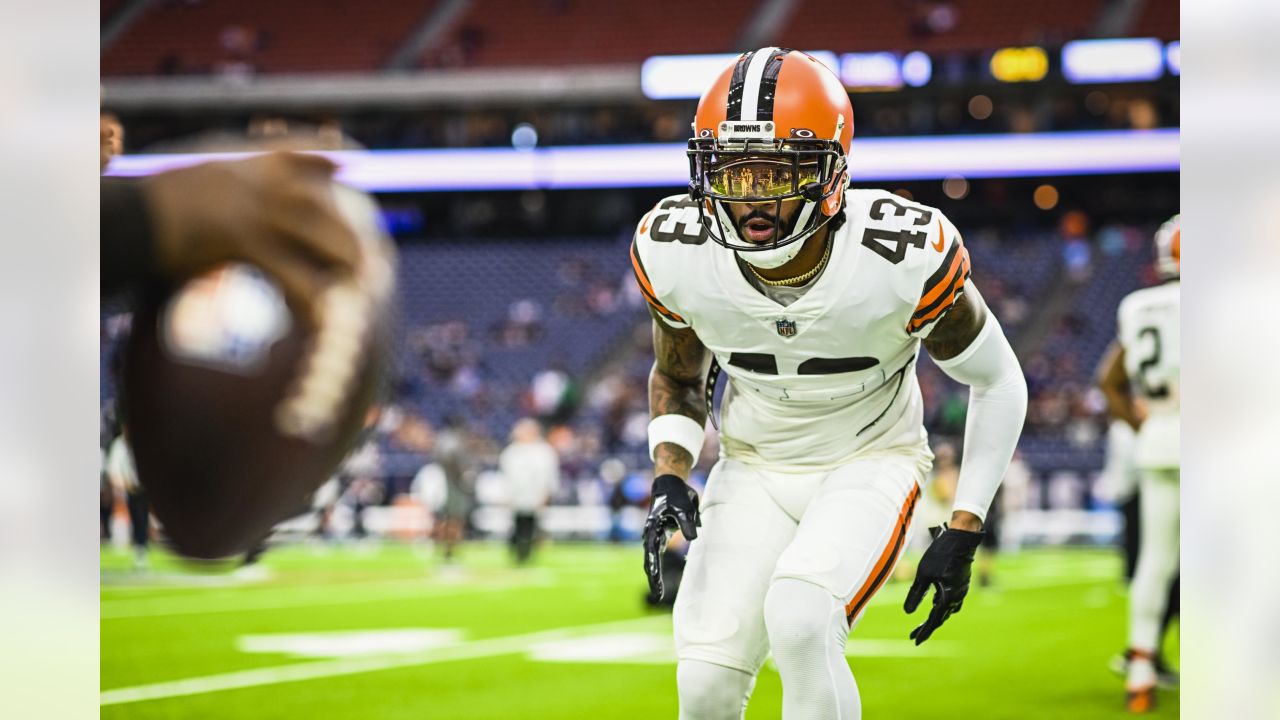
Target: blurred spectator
[
  {"x": 531, "y": 469},
  {"x": 458, "y": 465},
  {"x": 553, "y": 394},
  {"x": 612, "y": 473},
  {"x": 1076, "y": 253},
  {"x": 522, "y": 326},
  {"x": 239, "y": 45},
  {"x": 358, "y": 480},
  {"x": 931, "y": 17}
]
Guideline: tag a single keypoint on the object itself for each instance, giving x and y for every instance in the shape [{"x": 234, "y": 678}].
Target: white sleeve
[{"x": 997, "y": 407}]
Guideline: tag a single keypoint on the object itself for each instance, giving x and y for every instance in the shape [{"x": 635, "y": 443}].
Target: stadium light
[
  {"x": 1173, "y": 57},
  {"x": 684, "y": 77},
  {"x": 871, "y": 71},
  {"x": 917, "y": 69},
  {"x": 1019, "y": 64},
  {"x": 665, "y": 165},
  {"x": 1112, "y": 60}
]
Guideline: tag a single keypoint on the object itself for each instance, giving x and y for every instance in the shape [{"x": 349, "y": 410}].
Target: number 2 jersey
[
  {"x": 830, "y": 377},
  {"x": 1148, "y": 323}
]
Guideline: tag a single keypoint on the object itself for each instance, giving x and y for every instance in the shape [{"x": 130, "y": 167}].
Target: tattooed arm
[
  {"x": 959, "y": 327},
  {"x": 675, "y": 387}
]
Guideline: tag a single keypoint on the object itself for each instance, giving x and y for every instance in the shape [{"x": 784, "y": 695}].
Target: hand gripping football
[{"x": 237, "y": 410}]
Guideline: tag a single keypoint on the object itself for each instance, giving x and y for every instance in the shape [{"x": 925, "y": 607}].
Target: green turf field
[{"x": 385, "y": 632}]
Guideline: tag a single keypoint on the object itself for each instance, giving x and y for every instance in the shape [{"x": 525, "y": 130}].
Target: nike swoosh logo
[
  {"x": 644, "y": 224},
  {"x": 941, "y": 238}
]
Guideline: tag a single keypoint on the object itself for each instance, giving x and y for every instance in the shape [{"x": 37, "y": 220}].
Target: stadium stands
[
  {"x": 176, "y": 38},
  {"x": 934, "y": 26},
  {"x": 481, "y": 320},
  {"x": 108, "y": 8},
  {"x": 1157, "y": 19},
  {"x": 1065, "y": 422},
  {"x": 211, "y": 36},
  {"x": 568, "y": 32}
]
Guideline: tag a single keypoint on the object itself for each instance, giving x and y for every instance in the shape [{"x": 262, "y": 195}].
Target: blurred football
[{"x": 236, "y": 410}]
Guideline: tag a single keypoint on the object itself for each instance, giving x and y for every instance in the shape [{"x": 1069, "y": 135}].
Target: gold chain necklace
[{"x": 826, "y": 254}]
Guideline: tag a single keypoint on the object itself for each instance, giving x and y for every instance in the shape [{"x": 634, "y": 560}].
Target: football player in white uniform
[
  {"x": 813, "y": 300},
  {"x": 1145, "y": 362}
]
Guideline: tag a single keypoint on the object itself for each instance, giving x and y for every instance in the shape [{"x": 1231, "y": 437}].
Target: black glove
[
  {"x": 675, "y": 504},
  {"x": 945, "y": 566}
]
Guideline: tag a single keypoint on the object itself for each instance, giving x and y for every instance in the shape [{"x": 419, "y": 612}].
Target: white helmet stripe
[{"x": 751, "y": 88}]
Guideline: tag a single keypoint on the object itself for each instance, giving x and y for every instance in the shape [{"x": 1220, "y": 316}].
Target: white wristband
[{"x": 680, "y": 430}]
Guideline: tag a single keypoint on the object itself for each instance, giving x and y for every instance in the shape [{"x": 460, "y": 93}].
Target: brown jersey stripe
[{"x": 888, "y": 558}]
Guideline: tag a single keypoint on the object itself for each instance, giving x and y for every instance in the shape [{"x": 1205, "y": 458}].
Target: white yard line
[
  {"x": 350, "y": 666},
  {"x": 285, "y": 598}
]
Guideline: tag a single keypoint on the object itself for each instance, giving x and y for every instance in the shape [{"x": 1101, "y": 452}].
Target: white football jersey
[
  {"x": 830, "y": 377},
  {"x": 1148, "y": 323}
]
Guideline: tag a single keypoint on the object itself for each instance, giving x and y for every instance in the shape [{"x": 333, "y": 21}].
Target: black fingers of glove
[
  {"x": 946, "y": 568},
  {"x": 681, "y": 505},
  {"x": 655, "y": 544}
]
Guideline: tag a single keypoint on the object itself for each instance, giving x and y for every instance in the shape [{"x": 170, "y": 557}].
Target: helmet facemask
[{"x": 757, "y": 169}]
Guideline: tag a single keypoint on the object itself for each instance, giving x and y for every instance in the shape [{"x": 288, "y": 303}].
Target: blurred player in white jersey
[
  {"x": 813, "y": 300},
  {"x": 1144, "y": 364},
  {"x": 1118, "y": 484},
  {"x": 123, "y": 475}
]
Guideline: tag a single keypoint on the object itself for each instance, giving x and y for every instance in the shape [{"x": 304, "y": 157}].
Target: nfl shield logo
[{"x": 786, "y": 328}]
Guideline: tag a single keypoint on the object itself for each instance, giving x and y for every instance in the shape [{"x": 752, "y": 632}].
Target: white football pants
[
  {"x": 788, "y": 561},
  {"x": 1157, "y": 557}
]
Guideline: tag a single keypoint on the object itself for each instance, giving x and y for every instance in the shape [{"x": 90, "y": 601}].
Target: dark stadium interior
[
  {"x": 503, "y": 290},
  {"x": 513, "y": 146}
]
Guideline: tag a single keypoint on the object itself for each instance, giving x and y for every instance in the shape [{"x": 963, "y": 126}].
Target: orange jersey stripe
[
  {"x": 956, "y": 290},
  {"x": 888, "y": 558},
  {"x": 939, "y": 288},
  {"x": 641, "y": 277},
  {"x": 646, "y": 289}
]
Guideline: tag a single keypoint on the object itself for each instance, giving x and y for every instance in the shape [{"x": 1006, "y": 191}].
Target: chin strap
[
  {"x": 801, "y": 278},
  {"x": 773, "y": 258}
]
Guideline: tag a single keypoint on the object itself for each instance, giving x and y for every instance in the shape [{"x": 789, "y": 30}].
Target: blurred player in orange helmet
[
  {"x": 813, "y": 300},
  {"x": 1141, "y": 377}
]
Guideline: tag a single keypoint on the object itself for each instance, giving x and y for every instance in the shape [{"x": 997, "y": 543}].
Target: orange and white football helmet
[
  {"x": 776, "y": 125},
  {"x": 1168, "y": 248}
]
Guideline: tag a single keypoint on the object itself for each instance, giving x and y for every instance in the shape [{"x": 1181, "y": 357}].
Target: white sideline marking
[
  {"x": 350, "y": 666},
  {"x": 291, "y": 597},
  {"x": 350, "y": 643},
  {"x": 651, "y": 648},
  {"x": 617, "y": 647}
]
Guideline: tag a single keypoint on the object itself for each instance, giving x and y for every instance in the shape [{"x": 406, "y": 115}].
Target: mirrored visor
[{"x": 759, "y": 178}]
